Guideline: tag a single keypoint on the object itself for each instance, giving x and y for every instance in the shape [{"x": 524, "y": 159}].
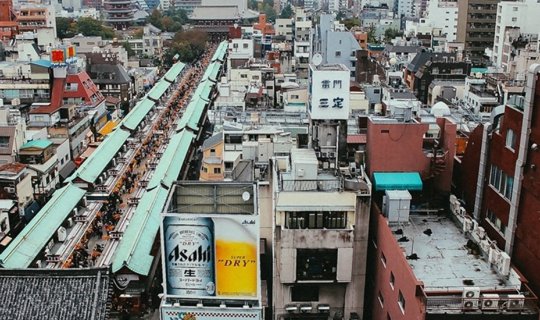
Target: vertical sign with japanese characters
[{"x": 329, "y": 92}]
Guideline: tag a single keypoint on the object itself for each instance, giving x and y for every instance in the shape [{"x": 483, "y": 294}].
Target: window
[
  {"x": 392, "y": 280},
  {"x": 305, "y": 293},
  {"x": 435, "y": 71},
  {"x": 212, "y": 150},
  {"x": 243, "y": 76},
  {"x": 401, "y": 302},
  {"x": 510, "y": 139},
  {"x": 316, "y": 220},
  {"x": 316, "y": 264},
  {"x": 496, "y": 222},
  {"x": 245, "y": 45},
  {"x": 383, "y": 259},
  {"x": 337, "y": 84},
  {"x": 217, "y": 170},
  {"x": 4, "y": 142},
  {"x": 515, "y": 8},
  {"x": 501, "y": 182},
  {"x": 205, "y": 169},
  {"x": 381, "y": 299},
  {"x": 514, "y": 19},
  {"x": 338, "y": 54}
]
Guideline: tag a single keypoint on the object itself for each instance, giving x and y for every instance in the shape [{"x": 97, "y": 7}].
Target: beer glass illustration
[
  {"x": 189, "y": 245},
  {"x": 236, "y": 258}
]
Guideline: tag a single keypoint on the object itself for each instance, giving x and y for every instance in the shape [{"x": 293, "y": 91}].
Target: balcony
[{"x": 317, "y": 238}]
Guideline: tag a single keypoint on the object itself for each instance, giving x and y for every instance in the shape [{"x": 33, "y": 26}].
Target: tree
[
  {"x": 269, "y": 11},
  {"x": 287, "y": 12},
  {"x": 155, "y": 18},
  {"x": 391, "y": 33},
  {"x": 91, "y": 27},
  {"x": 352, "y": 22},
  {"x": 189, "y": 45},
  {"x": 64, "y": 27},
  {"x": 129, "y": 49}
]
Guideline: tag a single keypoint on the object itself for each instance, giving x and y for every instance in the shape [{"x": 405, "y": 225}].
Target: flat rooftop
[
  {"x": 331, "y": 67},
  {"x": 444, "y": 261}
]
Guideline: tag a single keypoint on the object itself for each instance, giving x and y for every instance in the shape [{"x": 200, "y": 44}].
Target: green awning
[
  {"x": 137, "y": 114},
  {"x": 32, "y": 239},
  {"x": 98, "y": 160},
  {"x": 174, "y": 71},
  {"x": 158, "y": 90},
  {"x": 134, "y": 250},
  {"x": 397, "y": 181},
  {"x": 220, "y": 51},
  {"x": 212, "y": 71}
]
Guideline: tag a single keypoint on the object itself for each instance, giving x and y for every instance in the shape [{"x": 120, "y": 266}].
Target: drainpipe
[
  {"x": 522, "y": 156},
  {"x": 481, "y": 171}
]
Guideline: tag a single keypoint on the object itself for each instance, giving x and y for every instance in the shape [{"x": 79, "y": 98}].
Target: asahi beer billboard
[
  {"x": 211, "y": 256},
  {"x": 183, "y": 313}
]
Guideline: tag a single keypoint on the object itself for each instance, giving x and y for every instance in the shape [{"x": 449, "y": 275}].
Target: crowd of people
[{"x": 113, "y": 208}]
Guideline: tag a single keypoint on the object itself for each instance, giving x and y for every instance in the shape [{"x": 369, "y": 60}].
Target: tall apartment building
[
  {"x": 512, "y": 15},
  {"x": 31, "y": 18},
  {"x": 476, "y": 28},
  {"x": 444, "y": 15}
]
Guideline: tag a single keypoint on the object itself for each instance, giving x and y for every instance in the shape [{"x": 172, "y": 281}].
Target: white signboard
[{"x": 186, "y": 313}]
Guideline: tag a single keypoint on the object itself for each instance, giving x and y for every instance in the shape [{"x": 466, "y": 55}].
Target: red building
[
  {"x": 507, "y": 204},
  {"x": 422, "y": 269},
  {"x": 8, "y": 21},
  {"x": 413, "y": 146}
]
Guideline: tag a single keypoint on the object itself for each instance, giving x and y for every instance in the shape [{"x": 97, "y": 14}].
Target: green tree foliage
[
  {"x": 129, "y": 49},
  {"x": 92, "y": 27},
  {"x": 189, "y": 45},
  {"x": 390, "y": 34},
  {"x": 253, "y": 5},
  {"x": 287, "y": 12},
  {"x": 170, "y": 20},
  {"x": 267, "y": 7},
  {"x": 352, "y": 22},
  {"x": 65, "y": 27},
  {"x": 89, "y": 27}
]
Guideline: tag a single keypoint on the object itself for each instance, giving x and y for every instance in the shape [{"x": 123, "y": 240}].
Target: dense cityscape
[{"x": 269, "y": 159}]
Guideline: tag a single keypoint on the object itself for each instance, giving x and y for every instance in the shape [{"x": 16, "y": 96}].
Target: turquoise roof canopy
[{"x": 397, "y": 181}]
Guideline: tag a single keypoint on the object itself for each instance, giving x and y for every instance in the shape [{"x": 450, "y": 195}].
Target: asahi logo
[{"x": 197, "y": 255}]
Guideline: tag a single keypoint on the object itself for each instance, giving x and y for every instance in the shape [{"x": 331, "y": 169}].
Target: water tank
[{"x": 403, "y": 113}]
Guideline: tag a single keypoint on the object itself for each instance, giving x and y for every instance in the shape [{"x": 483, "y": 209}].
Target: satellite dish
[
  {"x": 316, "y": 59},
  {"x": 246, "y": 196}
]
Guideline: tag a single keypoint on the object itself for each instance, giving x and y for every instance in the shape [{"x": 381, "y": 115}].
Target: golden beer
[{"x": 236, "y": 259}]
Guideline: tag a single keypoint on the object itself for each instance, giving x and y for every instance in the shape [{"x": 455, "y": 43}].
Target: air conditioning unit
[
  {"x": 475, "y": 225},
  {"x": 485, "y": 245},
  {"x": 70, "y": 222},
  {"x": 493, "y": 255},
  {"x": 61, "y": 234},
  {"x": 471, "y": 296},
  {"x": 84, "y": 203},
  {"x": 10, "y": 189},
  {"x": 490, "y": 301},
  {"x": 462, "y": 211},
  {"x": 318, "y": 154},
  {"x": 75, "y": 211},
  {"x": 515, "y": 302},
  {"x": 481, "y": 233},
  {"x": 503, "y": 264},
  {"x": 467, "y": 224},
  {"x": 332, "y": 154}
]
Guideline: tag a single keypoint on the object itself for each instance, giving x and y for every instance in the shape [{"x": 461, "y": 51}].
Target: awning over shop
[
  {"x": 107, "y": 128},
  {"x": 397, "y": 181},
  {"x": 67, "y": 169}
]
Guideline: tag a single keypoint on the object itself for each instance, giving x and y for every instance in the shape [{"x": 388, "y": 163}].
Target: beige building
[
  {"x": 212, "y": 168},
  {"x": 321, "y": 225}
]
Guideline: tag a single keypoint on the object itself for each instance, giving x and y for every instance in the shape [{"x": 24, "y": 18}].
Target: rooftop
[
  {"x": 331, "y": 67},
  {"x": 54, "y": 294},
  {"x": 40, "y": 144},
  {"x": 444, "y": 260}
]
